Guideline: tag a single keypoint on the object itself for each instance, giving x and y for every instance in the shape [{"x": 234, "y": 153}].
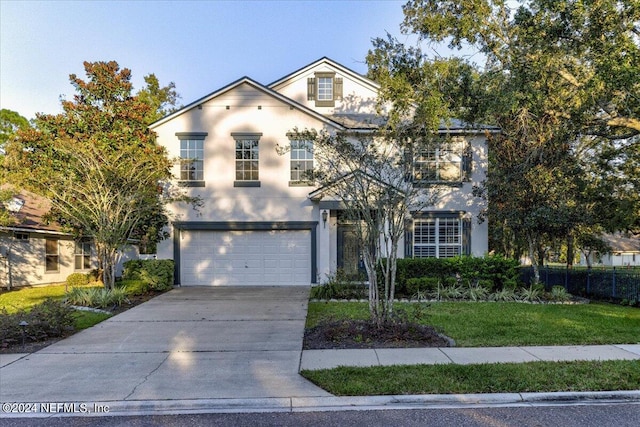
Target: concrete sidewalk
[{"x": 327, "y": 359}]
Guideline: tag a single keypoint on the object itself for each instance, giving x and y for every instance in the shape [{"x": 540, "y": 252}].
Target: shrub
[
  {"x": 77, "y": 279},
  {"x": 422, "y": 285},
  {"x": 97, "y": 297},
  {"x": 531, "y": 294},
  {"x": 46, "y": 320},
  {"x": 497, "y": 270},
  {"x": 504, "y": 294},
  {"x": 135, "y": 286},
  {"x": 158, "y": 273},
  {"x": 559, "y": 293},
  {"x": 478, "y": 293},
  {"x": 339, "y": 286}
]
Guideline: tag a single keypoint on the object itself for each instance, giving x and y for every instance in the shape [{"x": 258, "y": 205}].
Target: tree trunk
[
  {"x": 532, "y": 256},
  {"x": 570, "y": 251}
]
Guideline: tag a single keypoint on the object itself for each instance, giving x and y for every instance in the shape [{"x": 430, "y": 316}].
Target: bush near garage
[{"x": 157, "y": 273}]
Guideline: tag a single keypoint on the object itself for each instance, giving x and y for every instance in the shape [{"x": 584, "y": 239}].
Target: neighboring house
[
  {"x": 625, "y": 252},
  {"x": 262, "y": 223},
  {"x": 33, "y": 252}
]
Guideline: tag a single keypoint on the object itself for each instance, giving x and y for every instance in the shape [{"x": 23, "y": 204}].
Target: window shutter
[
  {"x": 408, "y": 240},
  {"x": 466, "y": 162},
  {"x": 311, "y": 89},
  {"x": 337, "y": 88},
  {"x": 466, "y": 236}
]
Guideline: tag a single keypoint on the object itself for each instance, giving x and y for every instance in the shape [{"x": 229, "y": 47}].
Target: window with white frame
[
  {"x": 437, "y": 237},
  {"x": 442, "y": 162},
  {"x": 191, "y": 157},
  {"x": 325, "y": 88},
  {"x": 82, "y": 255},
  {"x": 51, "y": 255},
  {"x": 301, "y": 161},
  {"x": 247, "y": 156}
]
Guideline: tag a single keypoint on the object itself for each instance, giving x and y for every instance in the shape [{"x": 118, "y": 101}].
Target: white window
[
  {"x": 325, "y": 89},
  {"x": 247, "y": 159},
  {"x": 83, "y": 255},
  {"x": 191, "y": 159},
  {"x": 440, "y": 163},
  {"x": 437, "y": 238},
  {"x": 301, "y": 160}
]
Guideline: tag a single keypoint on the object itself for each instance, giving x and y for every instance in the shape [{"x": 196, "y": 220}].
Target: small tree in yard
[
  {"x": 98, "y": 163},
  {"x": 371, "y": 174}
]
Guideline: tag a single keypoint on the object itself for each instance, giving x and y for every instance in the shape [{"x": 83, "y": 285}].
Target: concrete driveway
[{"x": 190, "y": 343}]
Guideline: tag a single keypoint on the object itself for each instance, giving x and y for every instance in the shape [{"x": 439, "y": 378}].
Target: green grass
[
  {"x": 479, "y": 378},
  {"x": 508, "y": 324},
  {"x": 86, "y": 319},
  {"x": 19, "y": 299}
]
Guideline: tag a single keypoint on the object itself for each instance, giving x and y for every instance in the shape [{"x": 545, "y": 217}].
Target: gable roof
[
  {"x": 257, "y": 86},
  {"x": 325, "y": 60},
  {"x": 620, "y": 243},
  {"x": 30, "y": 215}
]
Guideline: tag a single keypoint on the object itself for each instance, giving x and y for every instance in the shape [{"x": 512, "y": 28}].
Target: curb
[{"x": 332, "y": 403}]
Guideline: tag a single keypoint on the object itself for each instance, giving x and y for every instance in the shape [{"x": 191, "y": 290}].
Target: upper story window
[
  {"x": 447, "y": 161},
  {"x": 51, "y": 255},
  {"x": 82, "y": 255},
  {"x": 247, "y": 159},
  {"x": 324, "y": 88},
  {"x": 301, "y": 162},
  {"x": 192, "y": 158}
]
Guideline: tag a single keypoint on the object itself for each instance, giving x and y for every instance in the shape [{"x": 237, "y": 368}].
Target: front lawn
[
  {"x": 495, "y": 324},
  {"x": 22, "y": 298},
  {"x": 479, "y": 378}
]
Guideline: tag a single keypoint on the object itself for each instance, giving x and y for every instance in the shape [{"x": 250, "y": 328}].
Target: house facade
[
  {"x": 625, "y": 252},
  {"x": 261, "y": 222},
  {"x": 35, "y": 252}
]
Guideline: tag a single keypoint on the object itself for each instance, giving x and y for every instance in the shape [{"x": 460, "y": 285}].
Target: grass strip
[
  {"x": 479, "y": 378},
  {"x": 497, "y": 324}
]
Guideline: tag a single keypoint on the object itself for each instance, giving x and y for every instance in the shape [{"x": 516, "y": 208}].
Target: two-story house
[{"x": 262, "y": 223}]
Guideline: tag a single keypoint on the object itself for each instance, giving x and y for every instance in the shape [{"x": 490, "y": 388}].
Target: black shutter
[
  {"x": 311, "y": 89},
  {"x": 408, "y": 239},
  {"x": 466, "y": 236},
  {"x": 467, "y": 156}
]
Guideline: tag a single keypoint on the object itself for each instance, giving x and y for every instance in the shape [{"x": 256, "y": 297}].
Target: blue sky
[{"x": 199, "y": 45}]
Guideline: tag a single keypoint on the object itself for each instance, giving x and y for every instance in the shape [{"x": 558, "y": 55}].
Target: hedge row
[{"x": 492, "y": 272}]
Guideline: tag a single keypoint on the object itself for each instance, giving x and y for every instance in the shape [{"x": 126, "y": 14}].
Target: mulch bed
[
  {"x": 366, "y": 334},
  {"x": 33, "y": 346}
]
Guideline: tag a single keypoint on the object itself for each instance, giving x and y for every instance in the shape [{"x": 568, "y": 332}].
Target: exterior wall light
[{"x": 325, "y": 215}]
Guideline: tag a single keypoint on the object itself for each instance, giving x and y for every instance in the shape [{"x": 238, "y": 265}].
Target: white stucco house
[{"x": 261, "y": 224}]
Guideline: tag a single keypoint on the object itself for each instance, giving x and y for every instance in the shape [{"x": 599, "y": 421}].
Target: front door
[{"x": 349, "y": 255}]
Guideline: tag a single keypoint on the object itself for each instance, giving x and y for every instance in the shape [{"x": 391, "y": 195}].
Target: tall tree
[
  {"x": 562, "y": 80},
  {"x": 10, "y": 123},
  {"x": 97, "y": 162},
  {"x": 368, "y": 174},
  {"x": 161, "y": 100}
]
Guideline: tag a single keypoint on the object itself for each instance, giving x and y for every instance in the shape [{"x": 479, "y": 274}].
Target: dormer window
[{"x": 324, "y": 88}]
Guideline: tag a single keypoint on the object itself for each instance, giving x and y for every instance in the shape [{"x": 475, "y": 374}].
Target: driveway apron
[{"x": 189, "y": 343}]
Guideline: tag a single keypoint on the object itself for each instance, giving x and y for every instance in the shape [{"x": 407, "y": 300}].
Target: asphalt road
[{"x": 597, "y": 415}]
